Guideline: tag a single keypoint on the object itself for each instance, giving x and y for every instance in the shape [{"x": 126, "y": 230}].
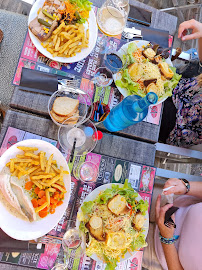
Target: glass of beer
[{"x": 112, "y": 17}]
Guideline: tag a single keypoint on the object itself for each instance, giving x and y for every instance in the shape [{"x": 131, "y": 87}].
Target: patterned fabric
[{"x": 187, "y": 98}]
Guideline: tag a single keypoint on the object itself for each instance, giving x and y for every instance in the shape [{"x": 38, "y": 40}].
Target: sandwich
[{"x": 15, "y": 196}]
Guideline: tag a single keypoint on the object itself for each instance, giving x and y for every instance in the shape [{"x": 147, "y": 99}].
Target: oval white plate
[
  {"x": 25, "y": 230},
  {"x": 93, "y": 31},
  {"x": 117, "y": 76},
  {"x": 92, "y": 197}
]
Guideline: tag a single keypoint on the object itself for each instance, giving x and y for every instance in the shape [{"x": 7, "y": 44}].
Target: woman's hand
[
  {"x": 178, "y": 189},
  {"x": 195, "y": 26},
  {"x": 160, "y": 217}
]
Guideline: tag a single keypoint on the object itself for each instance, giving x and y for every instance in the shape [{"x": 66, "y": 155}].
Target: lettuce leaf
[
  {"x": 105, "y": 196},
  {"x": 82, "y": 4},
  {"x": 131, "y": 86},
  {"x": 142, "y": 206},
  {"x": 82, "y": 227},
  {"x": 87, "y": 207},
  {"x": 111, "y": 263},
  {"x": 132, "y": 47}
]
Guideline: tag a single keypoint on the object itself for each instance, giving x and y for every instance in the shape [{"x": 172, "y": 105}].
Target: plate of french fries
[
  {"x": 41, "y": 174},
  {"x": 69, "y": 42}
]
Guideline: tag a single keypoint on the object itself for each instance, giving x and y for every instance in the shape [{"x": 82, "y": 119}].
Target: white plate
[
  {"x": 92, "y": 197},
  {"x": 117, "y": 76},
  {"x": 93, "y": 31},
  {"x": 25, "y": 230}
]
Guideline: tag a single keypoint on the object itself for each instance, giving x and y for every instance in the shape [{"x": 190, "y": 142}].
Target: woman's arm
[
  {"x": 196, "y": 28},
  {"x": 180, "y": 189},
  {"x": 170, "y": 251}
]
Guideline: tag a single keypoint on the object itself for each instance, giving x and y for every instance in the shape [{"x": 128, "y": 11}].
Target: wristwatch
[{"x": 186, "y": 183}]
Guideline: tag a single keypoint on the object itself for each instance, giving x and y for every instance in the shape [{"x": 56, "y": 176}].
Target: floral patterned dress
[{"x": 187, "y": 98}]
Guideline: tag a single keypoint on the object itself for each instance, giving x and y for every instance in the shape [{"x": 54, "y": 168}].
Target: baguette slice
[
  {"x": 138, "y": 221},
  {"x": 64, "y": 106},
  {"x": 98, "y": 233},
  {"x": 118, "y": 205}
]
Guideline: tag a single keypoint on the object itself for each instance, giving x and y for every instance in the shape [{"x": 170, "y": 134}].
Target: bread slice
[
  {"x": 138, "y": 221},
  {"x": 65, "y": 106},
  {"x": 60, "y": 119},
  {"x": 57, "y": 118},
  {"x": 118, "y": 205},
  {"x": 97, "y": 233},
  {"x": 116, "y": 240}
]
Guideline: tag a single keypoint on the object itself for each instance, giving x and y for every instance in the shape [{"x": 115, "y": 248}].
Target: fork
[
  {"x": 70, "y": 83},
  {"x": 49, "y": 239}
]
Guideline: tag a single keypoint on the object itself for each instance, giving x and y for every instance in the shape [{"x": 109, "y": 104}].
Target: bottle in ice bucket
[{"x": 131, "y": 110}]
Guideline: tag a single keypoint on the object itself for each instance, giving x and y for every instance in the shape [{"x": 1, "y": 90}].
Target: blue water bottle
[{"x": 131, "y": 110}]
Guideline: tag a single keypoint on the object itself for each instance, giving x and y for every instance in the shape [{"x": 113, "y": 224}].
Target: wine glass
[
  {"x": 87, "y": 172},
  {"x": 112, "y": 17},
  {"x": 115, "y": 60},
  {"x": 72, "y": 244}
]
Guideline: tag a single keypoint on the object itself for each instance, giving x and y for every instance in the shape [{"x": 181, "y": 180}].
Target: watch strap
[{"x": 187, "y": 184}]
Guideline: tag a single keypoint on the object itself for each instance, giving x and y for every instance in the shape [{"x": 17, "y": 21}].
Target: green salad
[{"x": 114, "y": 223}]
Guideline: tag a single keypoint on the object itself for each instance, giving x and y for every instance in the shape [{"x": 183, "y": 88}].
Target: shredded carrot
[{"x": 52, "y": 210}]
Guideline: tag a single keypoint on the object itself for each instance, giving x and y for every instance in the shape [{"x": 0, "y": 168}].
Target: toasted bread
[
  {"x": 97, "y": 230},
  {"x": 165, "y": 70},
  {"x": 57, "y": 118},
  {"x": 64, "y": 106},
  {"x": 61, "y": 119},
  {"x": 118, "y": 205},
  {"x": 116, "y": 240},
  {"x": 138, "y": 221}
]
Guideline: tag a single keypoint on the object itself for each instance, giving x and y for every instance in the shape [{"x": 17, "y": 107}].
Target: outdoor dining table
[{"x": 132, "y": 149}]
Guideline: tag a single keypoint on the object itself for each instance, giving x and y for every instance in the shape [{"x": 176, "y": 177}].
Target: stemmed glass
[
  {"x": 72, "y": 244},
  {"x": 87, "y": 172}
]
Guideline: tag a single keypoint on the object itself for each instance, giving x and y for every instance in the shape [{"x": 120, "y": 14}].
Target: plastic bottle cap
[
  {"x": 88, "y": 131},
  {"x": 97, "y": 135}
]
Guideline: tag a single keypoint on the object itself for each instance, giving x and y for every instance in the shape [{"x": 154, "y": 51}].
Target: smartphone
[{"x": 139, "y": 15}]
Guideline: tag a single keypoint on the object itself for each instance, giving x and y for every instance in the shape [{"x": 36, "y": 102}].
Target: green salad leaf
[
  {"x": 82, "y": 4},
  {"x": 82, "y": 227},
  {"x": 131, "y": 86},
  {"x": 140, "y": 241},
  {"x": 142, "y": 206},
  {"x": 132, "y": 47},
  {"x": 87, "y": 207},
  {"x": 111, "y": 263}
]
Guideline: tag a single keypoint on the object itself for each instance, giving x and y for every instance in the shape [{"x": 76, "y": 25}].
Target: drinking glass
[
  {"x": 80, "y": 137},
  {"x": 112, "y": 17},
  {"x": 115, "y": 60},
  {"x": 72, "y": 244},
  {"x": 103, "y": 77},
  {"x": 87, "y": 172}
]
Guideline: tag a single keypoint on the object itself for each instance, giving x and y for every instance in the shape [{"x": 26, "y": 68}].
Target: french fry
[
  {"x": 27, "y": 154},
  {"x": 12, "y": 168},
  {"x": 15, "y": 173},
  {"x": 42, "y": 154},
  {"x": 56, "y": 31},
  {"x": 18, "y": 160},
  {"x": 24, "y": 148},
  {"x": 37, "y": 184},
  {"x": 41, "y": 176},
  {"x": 59, "y": 187},
  {"x": 49, "y": 164},
  {"x": 38, "y": 209},
  {"x": 52, "y": 190},
  {"x": 31, "y": 170},
  {"x": 47, "y": 196},
  {"x": 55, "y": 179},
  {"x": 20, "y": 169},
  {"x": 60, "y": 183},
  {"x": 55, "y": 168}
]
